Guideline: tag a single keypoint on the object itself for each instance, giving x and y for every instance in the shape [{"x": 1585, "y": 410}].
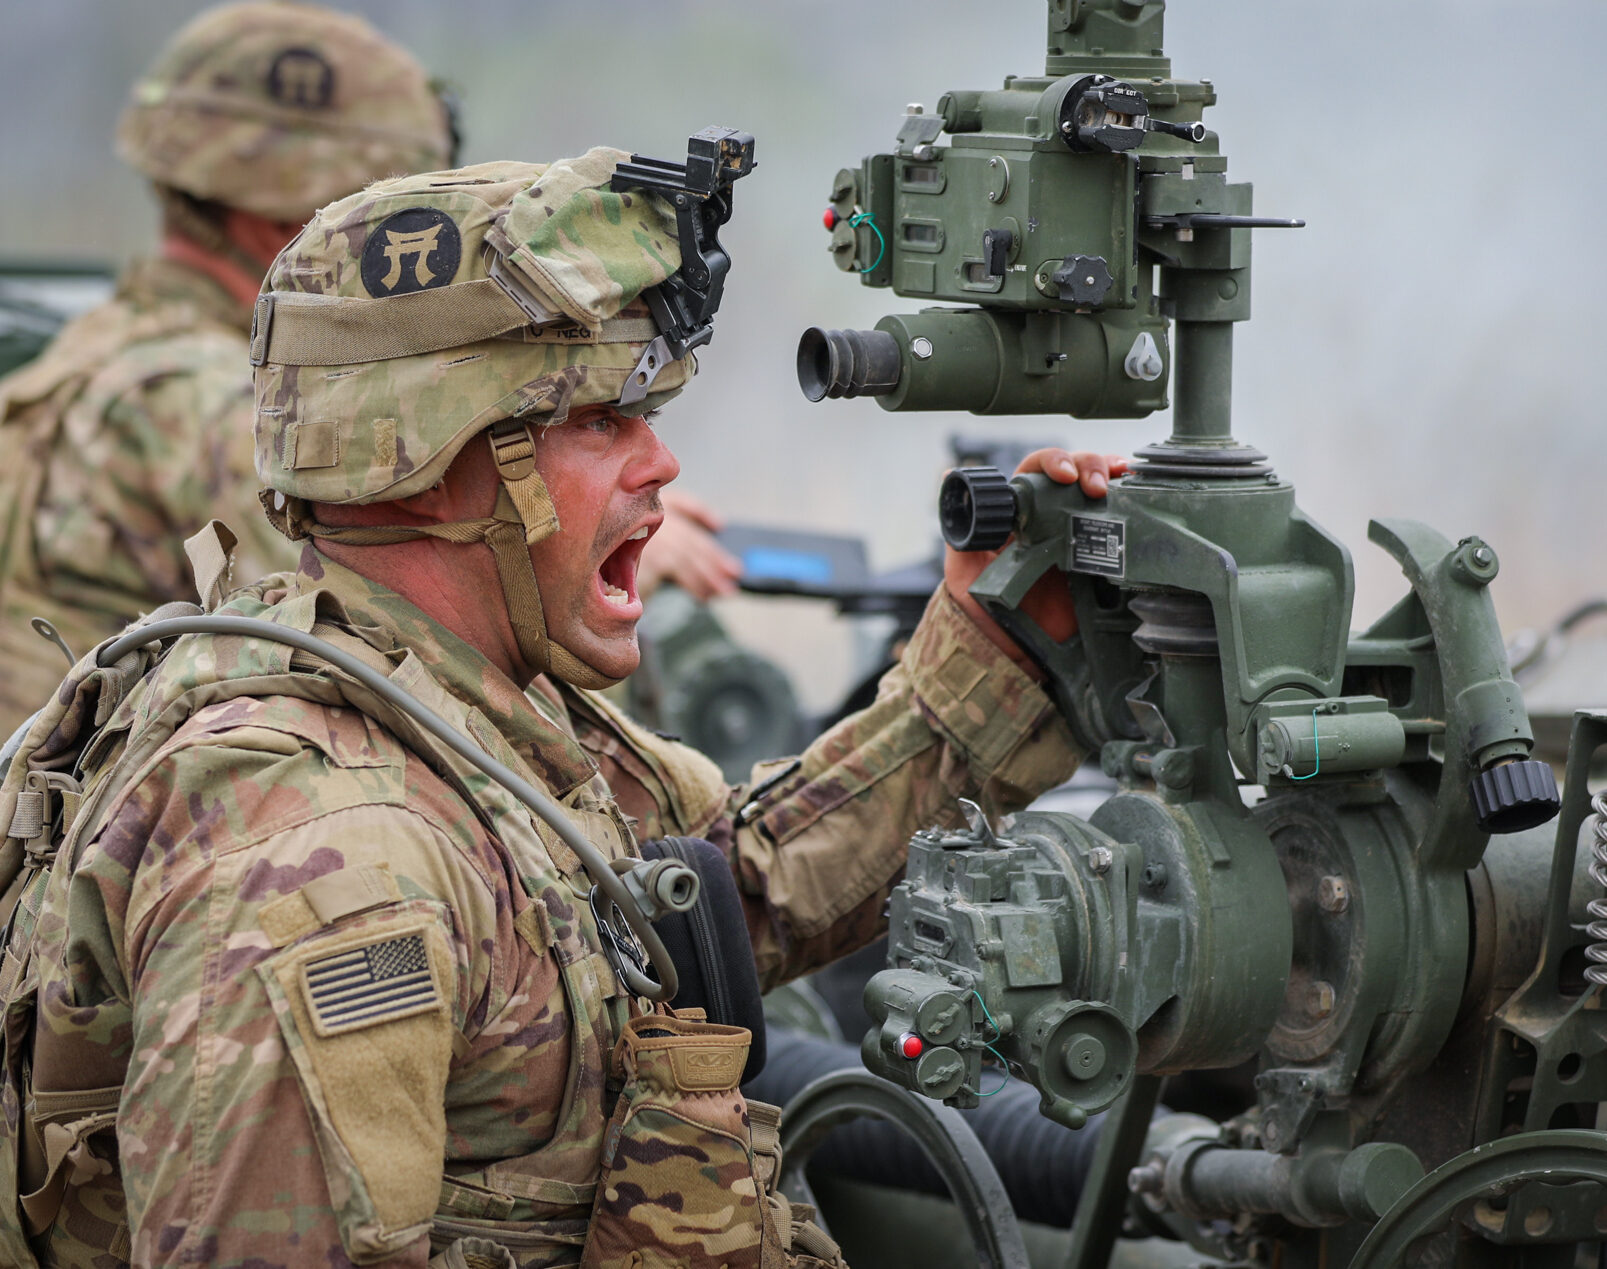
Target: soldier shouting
[{"x": 310, "y": 993}]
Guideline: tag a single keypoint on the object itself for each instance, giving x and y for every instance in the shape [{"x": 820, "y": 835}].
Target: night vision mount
[{"x": 700, "y": 190}]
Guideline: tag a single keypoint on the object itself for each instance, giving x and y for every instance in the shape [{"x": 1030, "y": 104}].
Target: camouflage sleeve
[
  {"x": 305, "y": 956},
  {"x": 817, "y": 843},
  {"x": 170, "y": 452}
]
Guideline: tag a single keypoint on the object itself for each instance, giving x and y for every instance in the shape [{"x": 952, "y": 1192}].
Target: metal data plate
[{"x": 1098, "y": 546}]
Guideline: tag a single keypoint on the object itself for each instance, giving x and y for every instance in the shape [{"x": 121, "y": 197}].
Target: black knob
[
  {"x": 977, "y": 509},
  {"x": 1514, "y": 796}
]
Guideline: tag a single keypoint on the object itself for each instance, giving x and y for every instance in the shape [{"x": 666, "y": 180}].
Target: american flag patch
[{"x": 367, "y": 985}]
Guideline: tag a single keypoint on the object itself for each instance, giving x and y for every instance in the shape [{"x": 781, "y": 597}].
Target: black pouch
[{"x": 710, "y": 946}]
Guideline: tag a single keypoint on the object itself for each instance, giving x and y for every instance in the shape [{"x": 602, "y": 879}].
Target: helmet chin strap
[{"x": 523, "y": 516}]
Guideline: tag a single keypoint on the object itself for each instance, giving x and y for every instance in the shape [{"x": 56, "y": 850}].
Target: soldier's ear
[{"x": 466, "y": 491}]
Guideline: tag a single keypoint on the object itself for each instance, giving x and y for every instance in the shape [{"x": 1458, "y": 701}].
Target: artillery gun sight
[{"x": 1329, "y": 850}]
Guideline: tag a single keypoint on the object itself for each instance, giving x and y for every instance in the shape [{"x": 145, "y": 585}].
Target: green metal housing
[{"x": 1300, "y": 867}]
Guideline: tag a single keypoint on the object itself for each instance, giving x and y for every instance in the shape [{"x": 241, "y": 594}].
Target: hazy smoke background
[{"x": 1428, "y": 347}]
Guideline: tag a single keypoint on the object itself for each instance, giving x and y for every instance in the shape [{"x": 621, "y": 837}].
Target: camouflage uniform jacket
[
  {"x": 122, "y": 439},
  {"x": 271, "y": 843}
]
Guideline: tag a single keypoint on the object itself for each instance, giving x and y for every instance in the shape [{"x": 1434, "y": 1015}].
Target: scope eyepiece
[
  {"x": 976, "y": 508},
  {"x": 847, "y": 363}
]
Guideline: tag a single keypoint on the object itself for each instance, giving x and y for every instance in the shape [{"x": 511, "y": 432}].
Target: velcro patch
[
  {"x": 316, "y": 444},
  {"x": 364, "y": 986}
]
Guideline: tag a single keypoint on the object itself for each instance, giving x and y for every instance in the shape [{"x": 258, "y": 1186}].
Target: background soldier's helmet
[
  {"x": 277, "y": 108},
  {"x": 409, "y": 318}
]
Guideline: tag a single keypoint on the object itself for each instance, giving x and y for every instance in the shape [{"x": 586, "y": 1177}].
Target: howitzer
[{"x": 1328, "y": 853}]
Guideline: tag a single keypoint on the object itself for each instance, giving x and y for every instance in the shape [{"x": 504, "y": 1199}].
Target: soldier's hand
[
  {"x": 1048, "y": 603},
  {"x": 684, "y": 551}
]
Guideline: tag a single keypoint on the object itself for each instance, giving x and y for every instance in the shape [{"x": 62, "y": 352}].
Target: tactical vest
[{"x": 675, "y": 1078}]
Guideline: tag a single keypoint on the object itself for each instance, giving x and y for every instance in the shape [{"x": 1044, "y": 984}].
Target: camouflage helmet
[
  {"x": 409, "y": 318},
  {"x": 277, "y": 108}
]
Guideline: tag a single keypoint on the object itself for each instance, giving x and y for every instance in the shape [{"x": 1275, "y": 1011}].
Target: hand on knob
[{"x": 1048, "y": 603}]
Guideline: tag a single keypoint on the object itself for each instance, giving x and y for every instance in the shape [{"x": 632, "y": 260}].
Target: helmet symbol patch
[
  {"x": 411, "y": 251},
  {"x": 301, "y": 77}
]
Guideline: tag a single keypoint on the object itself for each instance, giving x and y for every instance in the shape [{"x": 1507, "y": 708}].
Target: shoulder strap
[
  {"x": 692, "y": 790},
  {"x": 40, "y": 794},
  {"x": 211, "y": 555}
]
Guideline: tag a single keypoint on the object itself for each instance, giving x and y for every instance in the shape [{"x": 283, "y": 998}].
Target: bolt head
[
  {"x": 1474, "y": 562},
  {"x": 1084, "y": 1058},
  {"x": 1320, "y": 1000},
  {"x": 1100, "y": 859},
  {"x": 1333, "y": 895},
  {"x": 920, "y": 348}
]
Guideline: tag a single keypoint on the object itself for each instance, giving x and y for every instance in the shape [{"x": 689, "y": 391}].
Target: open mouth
[{"x": 617, "y": 575}]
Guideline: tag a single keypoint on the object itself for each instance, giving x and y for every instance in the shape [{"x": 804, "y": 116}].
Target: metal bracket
[
  {"x": 916, "y": 134},
  {"x": 1148, "y": 715},
  {"x": 623, "y": 951},
  {"x": 1290, "y": 1100},
  {"x": 653, "y": 359},
  {"x": 977, "y": 819}
]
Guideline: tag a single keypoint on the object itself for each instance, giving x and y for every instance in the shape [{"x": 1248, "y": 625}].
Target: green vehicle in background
[{"x": 39, "y": 297}]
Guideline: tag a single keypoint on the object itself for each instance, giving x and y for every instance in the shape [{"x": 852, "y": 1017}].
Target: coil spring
[{"x": 1596, "y": 950}]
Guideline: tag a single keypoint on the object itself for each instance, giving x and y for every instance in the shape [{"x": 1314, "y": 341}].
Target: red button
[
  {"x": 830, "y": 218},
  {"x": 910, "y": 1045}
]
